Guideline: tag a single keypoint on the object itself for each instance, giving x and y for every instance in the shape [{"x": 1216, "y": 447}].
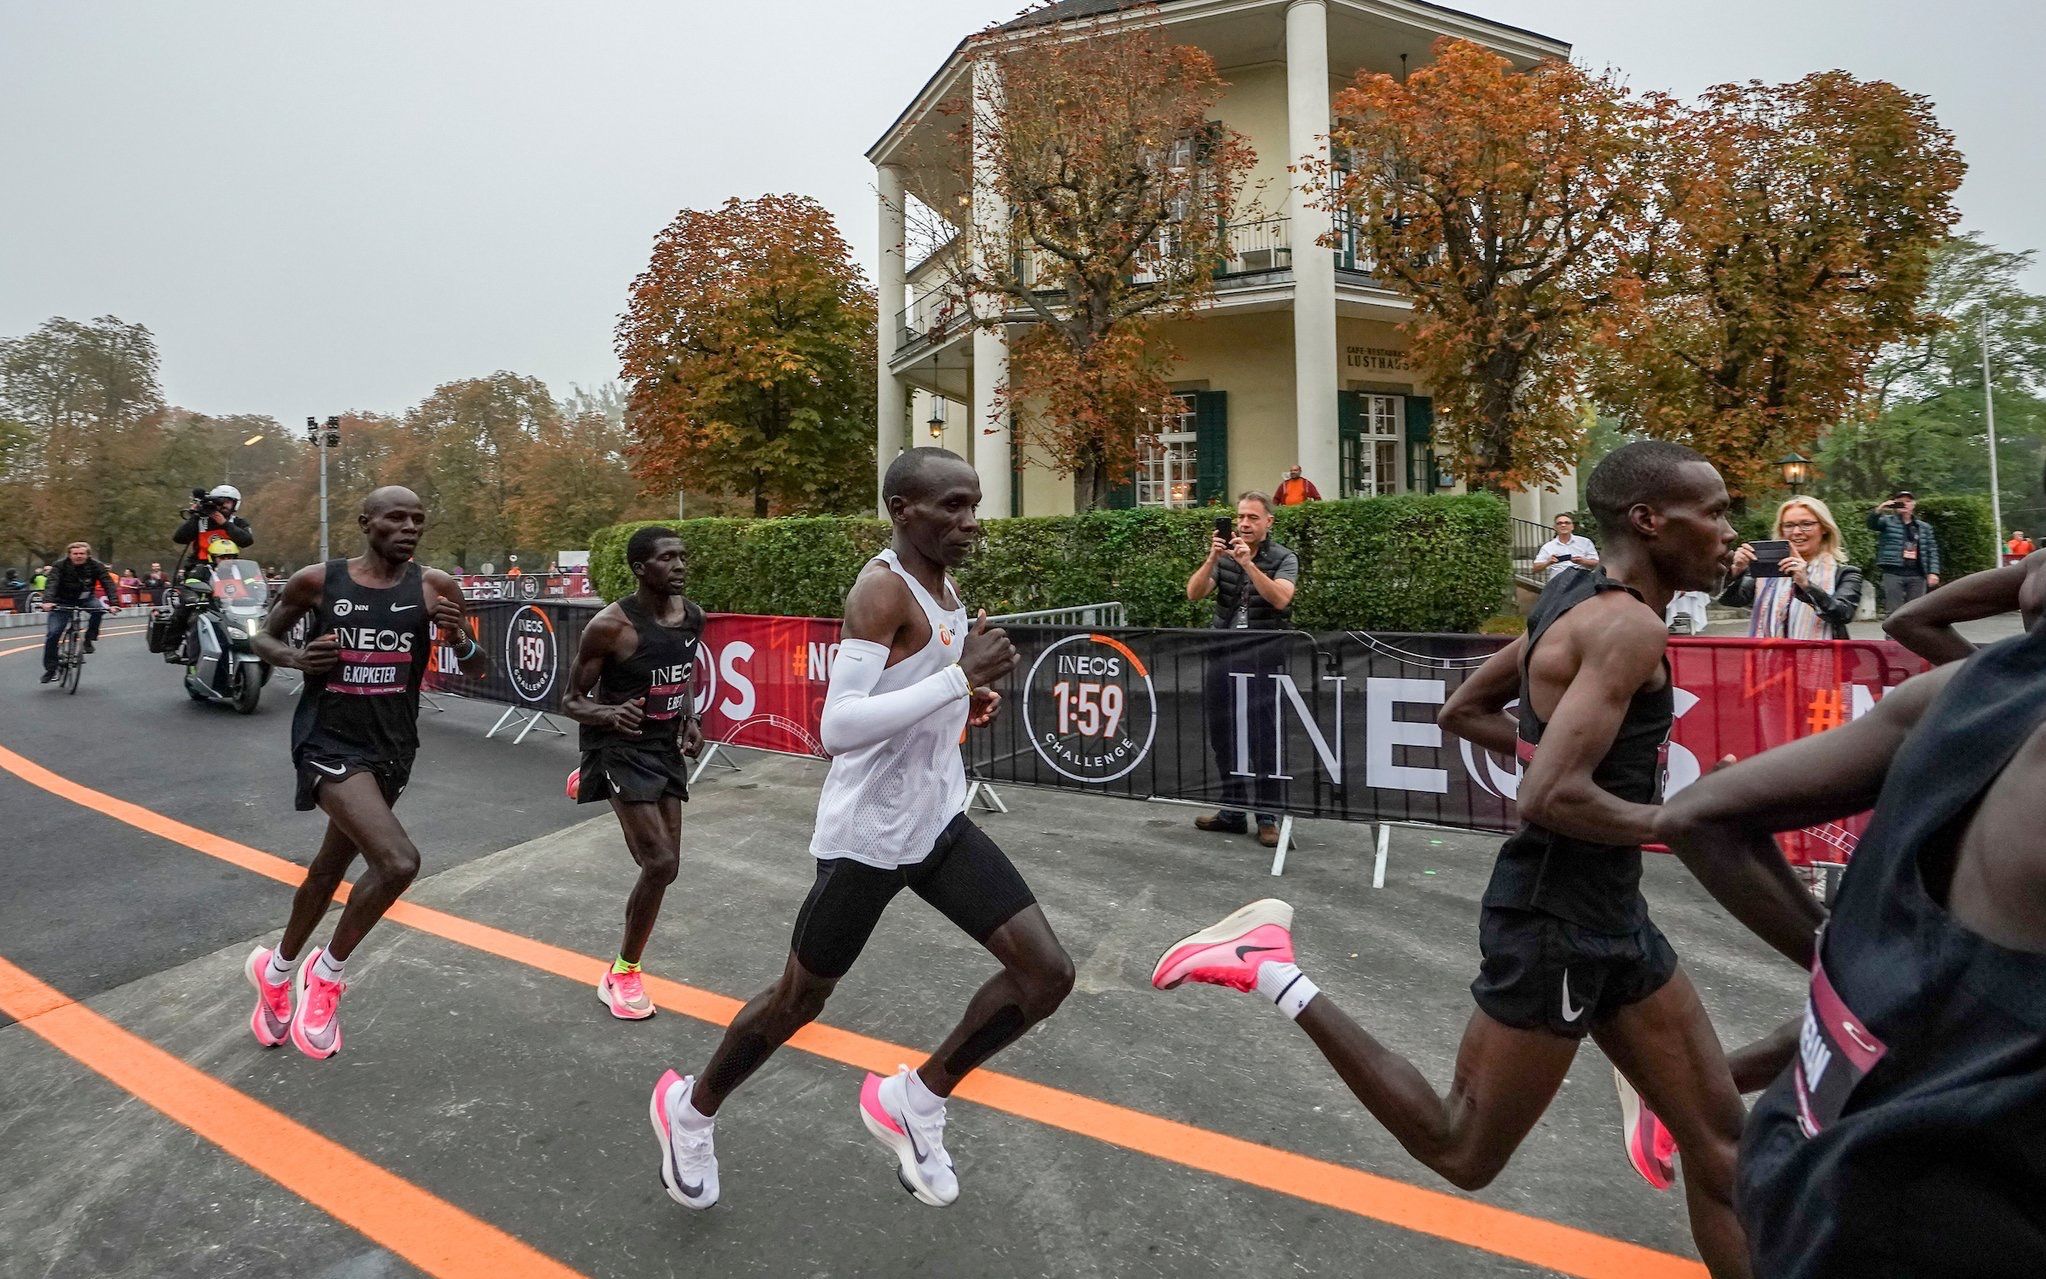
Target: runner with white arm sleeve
[{"x": 910, "y": 675}]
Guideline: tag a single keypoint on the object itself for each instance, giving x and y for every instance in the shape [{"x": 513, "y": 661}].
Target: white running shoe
[
  {"x": 689, "y": 1159},
  {"x": 918, "y": 1144}
]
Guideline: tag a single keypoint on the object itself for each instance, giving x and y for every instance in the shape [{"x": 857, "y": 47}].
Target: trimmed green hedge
[
  {"x": 1409, "y": 563},
  {"x": 1963, "y": 522}
]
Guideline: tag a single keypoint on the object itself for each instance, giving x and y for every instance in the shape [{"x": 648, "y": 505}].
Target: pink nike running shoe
[
  {"x": 1229, "y": 953},
  {"x": 270, "y": 1023},
  {"x": 316, "y": 1024},
  {"x": 625, "y": 995},
  {"x": 1650, "y": 1148},
  {"x": 575, "y": 781}
]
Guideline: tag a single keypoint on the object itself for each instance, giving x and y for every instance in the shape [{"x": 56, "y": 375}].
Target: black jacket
[
  {"x": 1232, "y": 587},
  {"x": 72, "y": 583},
  {"x": 1837, "y": 608}
]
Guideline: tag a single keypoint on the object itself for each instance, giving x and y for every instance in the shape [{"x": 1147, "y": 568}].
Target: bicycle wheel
[{"x": 74, "y": 657}]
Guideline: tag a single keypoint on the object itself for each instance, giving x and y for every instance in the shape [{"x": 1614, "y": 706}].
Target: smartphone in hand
[
  {"x": 1225, "y": 529},
  {"x": 1769, "y": 558}
]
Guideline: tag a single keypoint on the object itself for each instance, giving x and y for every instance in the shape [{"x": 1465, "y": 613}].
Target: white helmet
[{"x": 228, "y": 491}]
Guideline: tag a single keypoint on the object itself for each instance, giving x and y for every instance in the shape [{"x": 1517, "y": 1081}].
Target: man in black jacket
[
  {"x": 1252, "y": 579},
  {"x": 216, "y": 515},
  {"x": 71, "y": 586}
]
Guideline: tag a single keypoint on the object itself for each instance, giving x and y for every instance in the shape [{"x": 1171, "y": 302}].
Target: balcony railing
[
  {"x": 1257, "y": 247},
  {"x": 929, "y": 319}
]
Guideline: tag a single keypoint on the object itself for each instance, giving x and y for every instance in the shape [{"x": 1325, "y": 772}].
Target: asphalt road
[
  {"x": 485, "y": 1101},
  {"x": 89, "y": 905}
]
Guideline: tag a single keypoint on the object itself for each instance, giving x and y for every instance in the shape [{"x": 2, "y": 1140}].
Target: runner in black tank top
[
  {"x": 1568, "y": 947},
  {"x": 373, "y": 621},
  {"x": 363, "y": 714},
  {"x": 631, "y": 690},
  {"x": 1905, "y": 1137}
]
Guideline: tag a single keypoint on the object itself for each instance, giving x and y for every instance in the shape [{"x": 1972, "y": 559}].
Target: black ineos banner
[
  {"x": 1338, "y": 724},
  {"x": 531, "y": 648}
]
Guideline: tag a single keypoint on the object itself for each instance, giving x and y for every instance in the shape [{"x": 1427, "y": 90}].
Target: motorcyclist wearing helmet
[
  {"x": 213, "y": 530},
  {"x": 210, "y": 518}
]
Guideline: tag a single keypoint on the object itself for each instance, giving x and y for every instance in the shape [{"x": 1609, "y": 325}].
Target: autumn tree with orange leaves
[
  {"x": 1800, "y": 223},
  {"x": 1096, "y": 135},
  {"x": 1502, "y": 203},
  {"x": 748, "y": 354}
]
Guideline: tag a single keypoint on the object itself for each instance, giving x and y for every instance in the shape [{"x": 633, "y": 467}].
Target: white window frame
[
  {"x": 1168, "y": 468},
  {"x": 1381, "y": 445}
]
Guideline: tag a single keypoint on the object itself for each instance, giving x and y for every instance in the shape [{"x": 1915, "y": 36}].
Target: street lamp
[
  {"x": 1797, "y": 470},
  {"x": 937, "y": 422},
  {"x": 323, "y": 438}
]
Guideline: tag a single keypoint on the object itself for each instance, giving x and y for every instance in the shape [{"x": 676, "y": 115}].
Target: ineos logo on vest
[
  {"x": 1089, "y": 708},
  {"x": 530, "y": 653}
]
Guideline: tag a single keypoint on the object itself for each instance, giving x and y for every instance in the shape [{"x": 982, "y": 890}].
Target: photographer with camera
[
  {"x": 1907, "y": 550},
  {"x": 213, "y": 528},
  {"x": 1253, "y": 579}
]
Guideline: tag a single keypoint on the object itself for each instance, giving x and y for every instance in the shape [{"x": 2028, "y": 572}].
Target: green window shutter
[
  {"x": 1211, "y": 441},
  {"x": 1123, "y": 496},
  {"x": 1420, "y": 420},
  {"x": 1349, "y": 414},
  {"x": 1420, "y": 443}
]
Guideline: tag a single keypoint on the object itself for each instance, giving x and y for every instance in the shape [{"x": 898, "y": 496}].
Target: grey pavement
[{"x": 509, "y": 1092}]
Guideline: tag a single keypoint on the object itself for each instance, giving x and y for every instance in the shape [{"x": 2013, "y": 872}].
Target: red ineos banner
[{"x": 1337, "y": 725}]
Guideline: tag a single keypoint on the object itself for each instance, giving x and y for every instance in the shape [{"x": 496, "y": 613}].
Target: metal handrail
[{"x": 1111, "y": 613}]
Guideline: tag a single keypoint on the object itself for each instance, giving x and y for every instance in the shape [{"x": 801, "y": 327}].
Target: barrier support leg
[
  {"x": 432, "y": 702},
  {"x": 542, "y": 723},
  {"x": 1285, "y": 843},
  {"x": 1378, "y": 862},
  {"x": 983, "y": 793},
  {"x": 502, "y": 720},
  {"x": 713, "y": 753}
]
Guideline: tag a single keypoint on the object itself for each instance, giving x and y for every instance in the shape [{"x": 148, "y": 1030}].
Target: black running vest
[
  {"x": 1909, "y": 1137},
  {"x": 367, "y": 707},
  {"x": 658, "y": 670},
  {"x": 1596, "y": 886}
]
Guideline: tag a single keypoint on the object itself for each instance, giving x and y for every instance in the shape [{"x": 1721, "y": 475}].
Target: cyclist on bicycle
[{"x": 71, "y": 586}]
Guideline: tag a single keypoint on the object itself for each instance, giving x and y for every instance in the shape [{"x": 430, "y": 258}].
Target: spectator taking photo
[
  {"x": 1565, "y": 551},
  {"x": 1907, "y": 550},
  {"x": 1807, "y": 592}
]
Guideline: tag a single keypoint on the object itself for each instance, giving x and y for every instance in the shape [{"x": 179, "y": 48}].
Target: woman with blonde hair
[{"x": 1814, "y": 593}]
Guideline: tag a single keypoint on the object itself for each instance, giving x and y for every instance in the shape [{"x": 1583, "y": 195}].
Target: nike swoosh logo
[
  {"x": 1569, "y": 1013},
  {"x": 1245, "y": 952},
  {"x": 910, "y": 1132},
  {"x": 694, "y": 1191},
  {"x": 399, "y": 608},
  {"x": 338, "y": 772}
]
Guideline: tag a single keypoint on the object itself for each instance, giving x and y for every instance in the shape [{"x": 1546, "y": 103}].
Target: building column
[
  {"x": 1525, "y": 504},
  {"x": 1315, "y": 369},
  {"x": 987, "y": 427},
  {"x": 891, "y": 398}
]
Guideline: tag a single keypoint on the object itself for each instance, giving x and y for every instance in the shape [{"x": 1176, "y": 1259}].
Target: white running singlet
[{"x": 886, "y": 804}]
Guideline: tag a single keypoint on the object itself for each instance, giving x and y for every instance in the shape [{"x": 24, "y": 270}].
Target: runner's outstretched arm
[
  {"x": 1723, "y": 825},
  {"x": 1926, "y": 624},
  {"x": 1476, "y": 711}
]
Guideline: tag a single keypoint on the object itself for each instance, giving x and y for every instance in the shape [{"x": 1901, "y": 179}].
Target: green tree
[
  {"x": 87, "y": 396},
  {"x": 474, "y": 435},
  {"x": 748, "y": 349}
]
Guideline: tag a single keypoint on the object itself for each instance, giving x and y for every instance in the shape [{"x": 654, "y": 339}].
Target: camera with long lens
[{"x": 204, "y": 504}]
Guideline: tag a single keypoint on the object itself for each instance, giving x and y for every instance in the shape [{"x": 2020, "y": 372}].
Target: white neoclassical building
[{"x": 1298, "y": 359}]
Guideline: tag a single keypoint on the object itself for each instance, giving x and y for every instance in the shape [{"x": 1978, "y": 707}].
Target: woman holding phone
[{"x": 1800, "y": 585}]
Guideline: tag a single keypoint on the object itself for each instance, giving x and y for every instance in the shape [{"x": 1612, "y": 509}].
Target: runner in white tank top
[
  {"x": 885, "y": 803},
  {"x": 909, "y": 677}
]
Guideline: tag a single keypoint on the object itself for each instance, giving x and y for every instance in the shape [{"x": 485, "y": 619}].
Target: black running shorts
[
  {"x": 635, "y": 773},
  {"x": 1545, "y": 973},
  {"x": 970, "y": 881},
  {"x": 392, "y": 776}
]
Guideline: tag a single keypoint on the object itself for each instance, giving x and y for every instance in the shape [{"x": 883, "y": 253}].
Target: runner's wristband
[{"x": 470, "y": 649}]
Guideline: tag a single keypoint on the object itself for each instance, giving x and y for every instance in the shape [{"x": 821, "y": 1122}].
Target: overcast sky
[{"x": 327, "y": 207}]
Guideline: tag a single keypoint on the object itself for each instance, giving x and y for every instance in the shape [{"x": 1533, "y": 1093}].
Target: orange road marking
[
  {"x": 1564, "y": 1249},
  {"x": 424, "y": 1229}
]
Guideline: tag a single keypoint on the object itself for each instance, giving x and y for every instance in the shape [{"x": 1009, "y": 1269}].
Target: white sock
[
  {"x": 689, "y": 1117},
  {"x": 927, "y": 1104},
  {"x": 328, "y": 968},
  {"x": 277, "y": 969},
  {"x": 1286, "y": 986}
]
